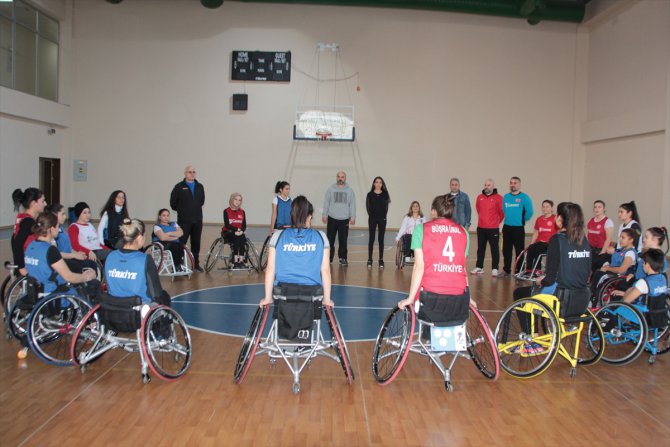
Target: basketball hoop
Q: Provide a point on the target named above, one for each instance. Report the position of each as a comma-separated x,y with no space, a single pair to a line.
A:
323,134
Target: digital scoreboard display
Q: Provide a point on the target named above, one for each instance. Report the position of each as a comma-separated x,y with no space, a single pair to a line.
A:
261,66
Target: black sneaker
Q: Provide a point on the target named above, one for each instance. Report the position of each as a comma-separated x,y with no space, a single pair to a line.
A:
381,263
343,262
198,269
369,263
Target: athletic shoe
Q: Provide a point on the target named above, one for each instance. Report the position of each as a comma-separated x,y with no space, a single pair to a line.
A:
476,271
343,262
381,263
369,263
408,259
494,272
503,274
532,348
198,269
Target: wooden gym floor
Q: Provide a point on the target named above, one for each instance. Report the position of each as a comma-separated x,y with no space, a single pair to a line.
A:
42,405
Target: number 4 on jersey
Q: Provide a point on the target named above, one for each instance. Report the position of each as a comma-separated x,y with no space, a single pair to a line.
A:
448,250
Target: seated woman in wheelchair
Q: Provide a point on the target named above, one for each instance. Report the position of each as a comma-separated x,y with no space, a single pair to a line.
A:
45,263
84,236
654,284
299,255
77,261
440,250
413,217
653,238
168,234
623,261
567,270
130,272
545,228
234,226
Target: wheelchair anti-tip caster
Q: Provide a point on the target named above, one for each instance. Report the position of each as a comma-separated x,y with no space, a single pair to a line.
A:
448,386
652,359
83,368
296,388
145,378
573,372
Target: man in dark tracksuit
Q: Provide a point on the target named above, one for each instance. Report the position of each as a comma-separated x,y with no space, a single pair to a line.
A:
187,199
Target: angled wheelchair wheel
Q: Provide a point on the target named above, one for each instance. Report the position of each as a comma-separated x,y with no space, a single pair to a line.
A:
625,330
590,339
250,343
526,350
663,334
604,291
52,324
339,344
213,254
87,338
399,255
188,261
3,290
17,321
263,255
157,253
253,256
15,290
393,344
481,345
166,343
519,269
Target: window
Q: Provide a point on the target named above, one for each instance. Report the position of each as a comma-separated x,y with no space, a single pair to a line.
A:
28,50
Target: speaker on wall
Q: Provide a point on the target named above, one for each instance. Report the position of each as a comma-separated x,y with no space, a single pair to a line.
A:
240,101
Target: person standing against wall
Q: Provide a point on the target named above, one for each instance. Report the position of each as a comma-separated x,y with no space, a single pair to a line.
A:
377,205
463,211
490,212
518,210
187,199
339,211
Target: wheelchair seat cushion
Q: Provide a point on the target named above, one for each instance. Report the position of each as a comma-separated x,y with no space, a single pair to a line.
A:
574,302
118,313
296,308
444,310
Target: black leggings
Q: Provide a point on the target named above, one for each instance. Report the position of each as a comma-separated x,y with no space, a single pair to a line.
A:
177,250
380,224
237,243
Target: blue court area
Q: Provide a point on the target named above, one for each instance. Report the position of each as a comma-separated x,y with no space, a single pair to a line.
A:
228,310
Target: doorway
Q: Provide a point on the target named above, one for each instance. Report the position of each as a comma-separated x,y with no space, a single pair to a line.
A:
50,179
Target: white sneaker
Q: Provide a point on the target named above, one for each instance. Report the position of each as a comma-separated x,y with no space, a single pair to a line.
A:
494,272
477,271
408,259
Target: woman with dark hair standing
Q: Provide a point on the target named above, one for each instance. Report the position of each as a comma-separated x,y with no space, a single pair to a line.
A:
377,205
299,255
111,217
281,207
600,229
32,202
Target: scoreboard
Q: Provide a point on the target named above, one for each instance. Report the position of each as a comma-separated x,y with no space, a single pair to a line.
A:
261,66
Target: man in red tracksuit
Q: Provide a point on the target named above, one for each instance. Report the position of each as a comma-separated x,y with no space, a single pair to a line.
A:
491,214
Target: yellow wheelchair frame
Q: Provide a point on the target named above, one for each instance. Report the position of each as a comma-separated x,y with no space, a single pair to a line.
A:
528,353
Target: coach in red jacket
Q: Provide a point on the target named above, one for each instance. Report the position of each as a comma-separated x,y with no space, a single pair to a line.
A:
490,210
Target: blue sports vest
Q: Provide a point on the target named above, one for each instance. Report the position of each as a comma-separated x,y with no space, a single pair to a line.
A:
657,285
38,266
125,273
618,257
169,228
63,241
283,213
299,253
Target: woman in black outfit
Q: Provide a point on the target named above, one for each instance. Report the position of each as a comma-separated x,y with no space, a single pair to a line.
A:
377,205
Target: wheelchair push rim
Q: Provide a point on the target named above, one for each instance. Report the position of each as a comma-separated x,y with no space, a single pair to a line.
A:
481,345
87,331
625,330
263,256
340,345
512,339
253,256
15,290
166,343
213,254
591,340
156,252
250,343
51,327
393,344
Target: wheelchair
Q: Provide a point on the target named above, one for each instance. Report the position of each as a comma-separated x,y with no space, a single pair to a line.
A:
552,326
632,328
157,332
222,250
450,326
263,256
165,264
402,255
13,288
608,285
523,271
295,335
45,323
11,277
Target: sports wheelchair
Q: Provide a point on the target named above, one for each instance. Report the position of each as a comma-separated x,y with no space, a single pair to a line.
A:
164,261
533,331
401,254
221,250
632,328
523,271
46,323
295,335
608,284
447,325
160,336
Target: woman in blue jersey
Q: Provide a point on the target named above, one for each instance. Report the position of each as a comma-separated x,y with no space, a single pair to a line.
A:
168,234
299,255
281,207
129,271
77,261
45,263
